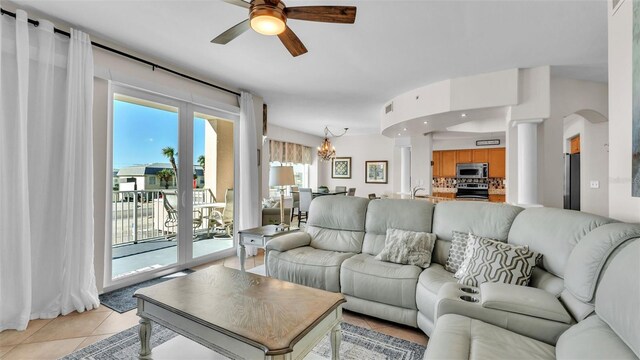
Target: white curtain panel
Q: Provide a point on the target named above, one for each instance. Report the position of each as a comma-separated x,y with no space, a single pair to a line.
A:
46,177
247,194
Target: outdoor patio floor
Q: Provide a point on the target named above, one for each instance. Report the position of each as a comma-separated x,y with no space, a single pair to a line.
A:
132,258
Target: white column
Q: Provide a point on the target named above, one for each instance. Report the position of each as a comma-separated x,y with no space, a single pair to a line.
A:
429,158
405,170
528,162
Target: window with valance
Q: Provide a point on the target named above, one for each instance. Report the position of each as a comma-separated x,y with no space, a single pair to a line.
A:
286,152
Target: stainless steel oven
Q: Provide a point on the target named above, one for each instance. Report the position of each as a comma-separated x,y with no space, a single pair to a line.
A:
476,191
472,171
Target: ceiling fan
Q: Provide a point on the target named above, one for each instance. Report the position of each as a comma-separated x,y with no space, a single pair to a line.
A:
269,17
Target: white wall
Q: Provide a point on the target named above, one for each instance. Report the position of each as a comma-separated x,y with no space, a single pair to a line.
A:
567,97
594,162
468,143
362,148
622,205
278,133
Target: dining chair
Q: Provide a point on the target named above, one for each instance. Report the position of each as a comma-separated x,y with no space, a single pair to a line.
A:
305,202
372,196
351,192
295,194
341,189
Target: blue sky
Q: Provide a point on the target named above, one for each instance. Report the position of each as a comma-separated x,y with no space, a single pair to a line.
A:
140,133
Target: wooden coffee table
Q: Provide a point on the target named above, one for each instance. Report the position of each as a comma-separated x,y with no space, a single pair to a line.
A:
242,315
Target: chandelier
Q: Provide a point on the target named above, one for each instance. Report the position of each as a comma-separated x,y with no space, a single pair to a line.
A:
326,151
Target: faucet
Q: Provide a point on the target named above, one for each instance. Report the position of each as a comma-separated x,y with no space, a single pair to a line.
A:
415,190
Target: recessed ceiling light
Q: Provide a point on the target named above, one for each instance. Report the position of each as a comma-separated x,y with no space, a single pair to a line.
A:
464,115
399,134
405,129
426,122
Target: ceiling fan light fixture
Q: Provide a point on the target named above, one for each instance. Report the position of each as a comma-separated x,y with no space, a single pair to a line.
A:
268,20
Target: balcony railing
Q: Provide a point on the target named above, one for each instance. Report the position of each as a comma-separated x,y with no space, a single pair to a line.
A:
139,215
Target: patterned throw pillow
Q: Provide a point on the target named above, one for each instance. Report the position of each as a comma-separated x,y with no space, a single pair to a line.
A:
408,248
493,261
456,251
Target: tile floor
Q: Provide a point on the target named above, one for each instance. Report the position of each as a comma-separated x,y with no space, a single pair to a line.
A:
55,338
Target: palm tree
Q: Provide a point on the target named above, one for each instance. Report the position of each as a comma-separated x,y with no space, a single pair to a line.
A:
201,161
165,175
170,153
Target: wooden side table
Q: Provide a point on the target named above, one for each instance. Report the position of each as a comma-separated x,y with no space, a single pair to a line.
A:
259,237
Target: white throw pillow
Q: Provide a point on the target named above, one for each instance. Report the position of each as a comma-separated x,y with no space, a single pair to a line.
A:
408,247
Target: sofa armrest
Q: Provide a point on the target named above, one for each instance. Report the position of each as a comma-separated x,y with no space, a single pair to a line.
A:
289,241
453,300
523,300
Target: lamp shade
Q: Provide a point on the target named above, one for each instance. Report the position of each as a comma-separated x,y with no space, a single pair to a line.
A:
281,176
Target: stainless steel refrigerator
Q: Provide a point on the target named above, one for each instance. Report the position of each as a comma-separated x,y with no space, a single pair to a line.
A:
572,181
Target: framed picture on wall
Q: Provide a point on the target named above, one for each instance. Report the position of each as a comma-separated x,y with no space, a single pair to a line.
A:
341,168
376,171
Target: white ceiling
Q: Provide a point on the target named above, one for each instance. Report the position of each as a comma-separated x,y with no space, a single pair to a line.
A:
352,70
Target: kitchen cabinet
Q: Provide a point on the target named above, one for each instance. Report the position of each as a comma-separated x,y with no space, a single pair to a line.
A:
449,162
575,145
447,195
464,156
437,163
497,163
497,198
480,156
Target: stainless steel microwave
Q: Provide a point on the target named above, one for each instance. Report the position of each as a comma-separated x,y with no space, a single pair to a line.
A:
472,171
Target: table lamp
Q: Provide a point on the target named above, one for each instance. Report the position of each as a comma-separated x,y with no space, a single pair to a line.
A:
281,176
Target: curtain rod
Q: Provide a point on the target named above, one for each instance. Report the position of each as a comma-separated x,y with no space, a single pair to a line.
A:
129,56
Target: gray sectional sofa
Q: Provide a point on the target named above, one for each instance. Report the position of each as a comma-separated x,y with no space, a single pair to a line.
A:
343,234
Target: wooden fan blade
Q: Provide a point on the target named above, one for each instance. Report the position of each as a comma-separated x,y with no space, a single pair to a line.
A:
240,3
330,14
292,42
232,33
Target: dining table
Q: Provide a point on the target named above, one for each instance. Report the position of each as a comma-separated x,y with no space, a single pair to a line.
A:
324,193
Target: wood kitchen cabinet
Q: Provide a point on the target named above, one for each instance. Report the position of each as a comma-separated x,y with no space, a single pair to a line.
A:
497,163
465,156
448,164
437,163
497,198
480,156
575,145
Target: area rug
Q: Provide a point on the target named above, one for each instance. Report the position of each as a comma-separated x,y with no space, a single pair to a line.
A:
122,300
357,344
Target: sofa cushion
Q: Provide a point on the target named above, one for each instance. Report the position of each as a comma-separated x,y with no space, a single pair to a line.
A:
592,339
407,248
479,218
618,295
412,215
492,261
553,233
590,255
336,223
308,266
364,277
459,337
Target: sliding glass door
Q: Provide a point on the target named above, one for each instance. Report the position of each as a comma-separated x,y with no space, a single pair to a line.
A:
172,192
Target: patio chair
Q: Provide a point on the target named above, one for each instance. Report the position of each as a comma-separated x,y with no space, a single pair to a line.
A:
170,201
223,221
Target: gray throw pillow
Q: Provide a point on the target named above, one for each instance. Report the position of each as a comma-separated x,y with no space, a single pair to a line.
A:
488,260
407,247
456,251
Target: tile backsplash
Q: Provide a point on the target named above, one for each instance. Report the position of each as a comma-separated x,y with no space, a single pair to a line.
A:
450,183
